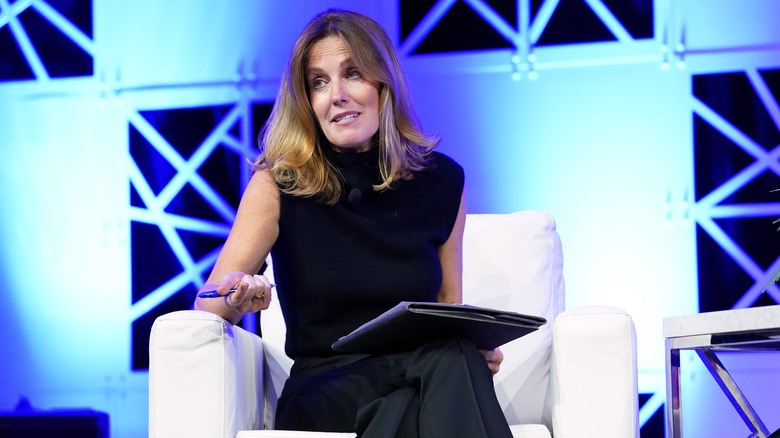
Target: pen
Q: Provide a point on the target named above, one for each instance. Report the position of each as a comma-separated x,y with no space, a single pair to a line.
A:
215,294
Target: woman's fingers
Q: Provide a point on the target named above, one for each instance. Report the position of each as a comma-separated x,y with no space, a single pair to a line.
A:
264,291
253,293
244,286
494,359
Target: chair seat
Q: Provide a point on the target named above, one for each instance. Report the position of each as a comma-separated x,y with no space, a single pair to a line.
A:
291,434
529,431
518,431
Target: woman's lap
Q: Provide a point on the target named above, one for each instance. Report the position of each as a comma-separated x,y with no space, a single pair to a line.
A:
441,387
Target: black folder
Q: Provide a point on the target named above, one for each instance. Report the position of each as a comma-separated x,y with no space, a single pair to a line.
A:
410,324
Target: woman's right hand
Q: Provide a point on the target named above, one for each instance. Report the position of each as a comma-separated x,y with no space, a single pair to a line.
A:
253,292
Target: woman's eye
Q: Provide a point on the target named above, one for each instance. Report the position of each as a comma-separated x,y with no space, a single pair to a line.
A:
353,74
317,83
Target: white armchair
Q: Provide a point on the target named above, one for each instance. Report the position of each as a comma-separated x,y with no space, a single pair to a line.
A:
575,377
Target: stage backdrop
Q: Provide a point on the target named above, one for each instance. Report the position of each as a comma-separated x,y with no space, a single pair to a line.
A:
649,129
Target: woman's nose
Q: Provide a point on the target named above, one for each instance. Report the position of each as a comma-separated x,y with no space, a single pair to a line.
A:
338,94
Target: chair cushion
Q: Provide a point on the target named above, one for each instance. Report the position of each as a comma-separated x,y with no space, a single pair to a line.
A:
518,431
529,431
291,434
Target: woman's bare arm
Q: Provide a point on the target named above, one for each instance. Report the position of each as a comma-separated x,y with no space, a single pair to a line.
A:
253,234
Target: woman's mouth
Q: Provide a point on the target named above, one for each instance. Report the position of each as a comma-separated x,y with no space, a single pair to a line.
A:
344,117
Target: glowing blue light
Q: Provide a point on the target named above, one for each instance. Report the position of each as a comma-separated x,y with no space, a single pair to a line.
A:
610,159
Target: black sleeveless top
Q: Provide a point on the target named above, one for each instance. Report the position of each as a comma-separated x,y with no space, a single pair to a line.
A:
336,267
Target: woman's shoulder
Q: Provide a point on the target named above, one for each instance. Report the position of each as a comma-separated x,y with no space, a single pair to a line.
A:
262,179
261,186
442,172
445,164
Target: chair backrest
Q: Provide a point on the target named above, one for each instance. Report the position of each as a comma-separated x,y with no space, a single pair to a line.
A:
513,262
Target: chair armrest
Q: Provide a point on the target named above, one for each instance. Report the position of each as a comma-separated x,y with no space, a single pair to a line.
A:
594,374
205,376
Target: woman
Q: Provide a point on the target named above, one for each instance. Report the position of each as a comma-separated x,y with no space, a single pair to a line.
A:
358,214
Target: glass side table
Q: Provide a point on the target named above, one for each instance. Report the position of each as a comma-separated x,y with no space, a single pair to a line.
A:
750,329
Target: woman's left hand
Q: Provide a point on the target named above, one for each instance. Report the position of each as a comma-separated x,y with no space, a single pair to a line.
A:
493,358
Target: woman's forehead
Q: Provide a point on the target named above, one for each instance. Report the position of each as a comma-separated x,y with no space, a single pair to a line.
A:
331,47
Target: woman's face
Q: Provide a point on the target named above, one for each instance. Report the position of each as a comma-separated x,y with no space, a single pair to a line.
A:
344,100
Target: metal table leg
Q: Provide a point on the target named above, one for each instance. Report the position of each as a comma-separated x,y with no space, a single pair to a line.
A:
673,413
732,391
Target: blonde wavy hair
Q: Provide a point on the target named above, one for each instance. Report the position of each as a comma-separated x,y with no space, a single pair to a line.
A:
292,144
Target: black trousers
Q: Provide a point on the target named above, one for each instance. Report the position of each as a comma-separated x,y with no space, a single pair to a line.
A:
442,389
